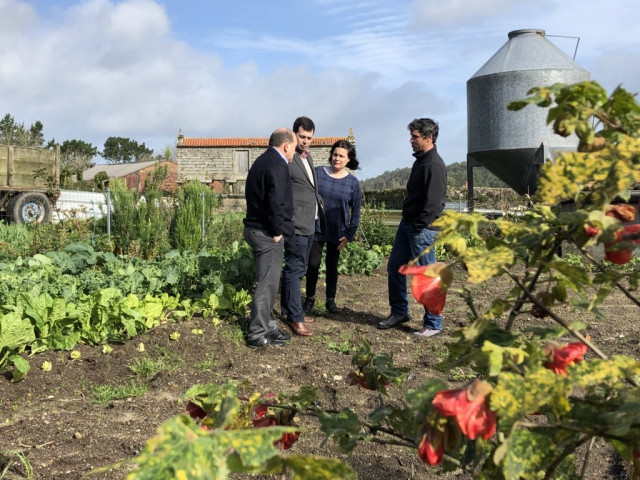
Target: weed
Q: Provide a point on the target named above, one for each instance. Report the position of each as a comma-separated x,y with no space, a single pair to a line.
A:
6,463
459,375
233,333
206,365
148,367
103,394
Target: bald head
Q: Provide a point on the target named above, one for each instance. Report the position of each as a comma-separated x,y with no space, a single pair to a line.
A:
284,140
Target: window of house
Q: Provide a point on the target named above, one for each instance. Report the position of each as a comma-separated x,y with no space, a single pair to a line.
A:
242,161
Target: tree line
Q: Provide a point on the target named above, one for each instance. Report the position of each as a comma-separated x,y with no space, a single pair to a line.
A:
76,156
456,178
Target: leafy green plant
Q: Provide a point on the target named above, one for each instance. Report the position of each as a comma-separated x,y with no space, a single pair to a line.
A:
227,435
356,259
343,348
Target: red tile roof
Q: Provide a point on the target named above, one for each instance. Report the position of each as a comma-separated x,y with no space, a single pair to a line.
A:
249,142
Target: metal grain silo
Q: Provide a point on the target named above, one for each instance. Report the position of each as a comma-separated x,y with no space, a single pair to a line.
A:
513,145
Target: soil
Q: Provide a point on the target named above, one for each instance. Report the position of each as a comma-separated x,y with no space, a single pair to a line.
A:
52,418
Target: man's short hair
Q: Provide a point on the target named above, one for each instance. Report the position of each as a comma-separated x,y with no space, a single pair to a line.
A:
426,127
305,122
280,137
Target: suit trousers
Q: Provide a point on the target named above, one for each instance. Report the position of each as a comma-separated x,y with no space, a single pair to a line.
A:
296,255
267,256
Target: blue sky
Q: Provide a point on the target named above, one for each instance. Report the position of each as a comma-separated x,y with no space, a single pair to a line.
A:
144,69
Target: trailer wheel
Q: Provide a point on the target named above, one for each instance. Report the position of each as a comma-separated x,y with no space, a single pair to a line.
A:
29,207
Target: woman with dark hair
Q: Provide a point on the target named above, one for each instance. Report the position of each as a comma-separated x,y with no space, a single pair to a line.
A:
340,192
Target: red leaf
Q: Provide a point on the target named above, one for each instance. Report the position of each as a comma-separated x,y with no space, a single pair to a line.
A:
561,357
470,409
431,448
288,439
621,211
429,284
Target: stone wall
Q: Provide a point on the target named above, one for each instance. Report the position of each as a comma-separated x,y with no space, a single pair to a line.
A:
216,166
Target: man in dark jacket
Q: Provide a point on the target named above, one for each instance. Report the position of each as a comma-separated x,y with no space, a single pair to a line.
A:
423,204
268,222
306,208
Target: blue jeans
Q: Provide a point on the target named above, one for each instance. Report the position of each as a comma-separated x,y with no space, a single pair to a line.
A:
407,245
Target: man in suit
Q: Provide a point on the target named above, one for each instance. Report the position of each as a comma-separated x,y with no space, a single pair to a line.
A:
269,221
307,206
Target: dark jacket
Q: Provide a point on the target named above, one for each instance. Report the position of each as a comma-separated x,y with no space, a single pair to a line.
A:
305,196
426,190
268,195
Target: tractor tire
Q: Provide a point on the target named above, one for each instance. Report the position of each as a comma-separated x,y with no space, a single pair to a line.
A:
29,208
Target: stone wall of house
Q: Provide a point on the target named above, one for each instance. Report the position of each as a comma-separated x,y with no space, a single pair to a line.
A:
209,164
213,164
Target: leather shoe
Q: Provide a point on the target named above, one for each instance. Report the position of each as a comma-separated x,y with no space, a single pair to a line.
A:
299,328
308,320
265,341
278,334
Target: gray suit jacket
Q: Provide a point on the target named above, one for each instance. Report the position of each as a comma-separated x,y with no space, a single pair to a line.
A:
305,196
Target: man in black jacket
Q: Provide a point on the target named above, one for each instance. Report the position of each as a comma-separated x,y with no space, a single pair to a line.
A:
268,221
423,204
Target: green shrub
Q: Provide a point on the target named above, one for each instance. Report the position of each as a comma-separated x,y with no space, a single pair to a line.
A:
373,228
196,205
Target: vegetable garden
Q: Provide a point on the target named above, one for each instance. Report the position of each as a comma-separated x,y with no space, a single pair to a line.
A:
535,376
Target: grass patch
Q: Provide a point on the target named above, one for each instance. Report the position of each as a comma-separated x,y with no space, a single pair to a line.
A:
207,365
149,367
233,333
103,394
7,460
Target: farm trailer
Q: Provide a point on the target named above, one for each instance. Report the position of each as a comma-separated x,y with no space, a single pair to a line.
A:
28,183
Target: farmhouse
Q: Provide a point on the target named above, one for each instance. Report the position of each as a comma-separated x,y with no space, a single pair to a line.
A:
223,163
135,174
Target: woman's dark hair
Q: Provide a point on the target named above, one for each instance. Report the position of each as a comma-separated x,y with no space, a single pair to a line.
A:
353,163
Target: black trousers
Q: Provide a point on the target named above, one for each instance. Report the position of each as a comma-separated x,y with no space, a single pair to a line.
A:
331,265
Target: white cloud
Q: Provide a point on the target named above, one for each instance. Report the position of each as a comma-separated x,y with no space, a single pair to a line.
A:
438,13
105,68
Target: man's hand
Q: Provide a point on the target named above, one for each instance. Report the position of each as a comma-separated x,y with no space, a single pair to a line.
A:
343,242
277,239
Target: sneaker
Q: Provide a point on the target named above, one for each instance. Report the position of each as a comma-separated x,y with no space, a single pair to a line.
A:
331,306
307,306
393,320
427,332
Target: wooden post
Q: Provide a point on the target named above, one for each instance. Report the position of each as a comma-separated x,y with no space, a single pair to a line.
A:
10,149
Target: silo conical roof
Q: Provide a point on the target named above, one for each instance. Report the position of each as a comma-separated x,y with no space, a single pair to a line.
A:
527,49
